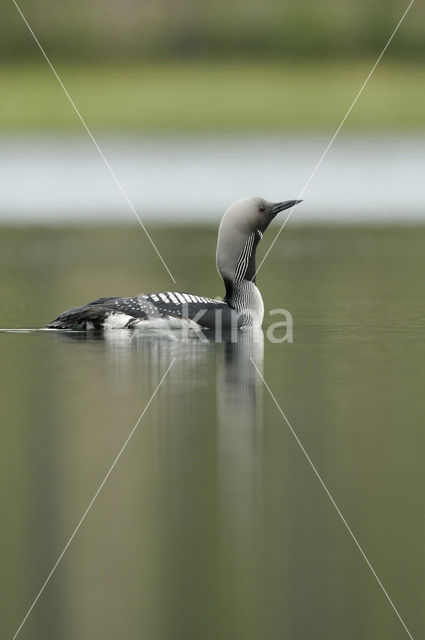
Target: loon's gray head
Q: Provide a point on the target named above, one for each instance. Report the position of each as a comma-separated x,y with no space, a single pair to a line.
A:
241,229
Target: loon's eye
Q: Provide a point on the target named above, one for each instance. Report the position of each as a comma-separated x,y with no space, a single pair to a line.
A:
262,208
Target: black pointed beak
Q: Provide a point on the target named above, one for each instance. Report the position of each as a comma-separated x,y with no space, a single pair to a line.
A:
281,206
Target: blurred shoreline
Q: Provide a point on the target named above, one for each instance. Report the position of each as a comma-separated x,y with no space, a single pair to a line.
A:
196,96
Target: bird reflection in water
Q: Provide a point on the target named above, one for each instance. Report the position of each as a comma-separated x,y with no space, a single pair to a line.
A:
205,436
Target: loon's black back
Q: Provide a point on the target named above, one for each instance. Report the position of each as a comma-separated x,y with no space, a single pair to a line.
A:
127,313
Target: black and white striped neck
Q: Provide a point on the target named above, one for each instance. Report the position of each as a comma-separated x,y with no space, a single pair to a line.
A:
245,297
245,266
242,294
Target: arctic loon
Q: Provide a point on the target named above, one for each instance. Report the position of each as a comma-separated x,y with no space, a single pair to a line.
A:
240,231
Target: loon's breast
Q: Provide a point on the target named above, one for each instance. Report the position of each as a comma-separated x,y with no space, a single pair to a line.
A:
171,308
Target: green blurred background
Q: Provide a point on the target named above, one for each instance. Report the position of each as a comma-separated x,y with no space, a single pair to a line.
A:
270,65
149,29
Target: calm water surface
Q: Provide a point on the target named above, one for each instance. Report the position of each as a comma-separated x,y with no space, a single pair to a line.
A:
212,524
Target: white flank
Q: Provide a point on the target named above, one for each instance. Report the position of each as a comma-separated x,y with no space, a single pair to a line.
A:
167,323
117,321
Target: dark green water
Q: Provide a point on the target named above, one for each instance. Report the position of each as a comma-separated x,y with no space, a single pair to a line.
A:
213,525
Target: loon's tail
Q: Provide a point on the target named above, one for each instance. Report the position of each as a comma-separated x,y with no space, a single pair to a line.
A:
86,317
99,314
